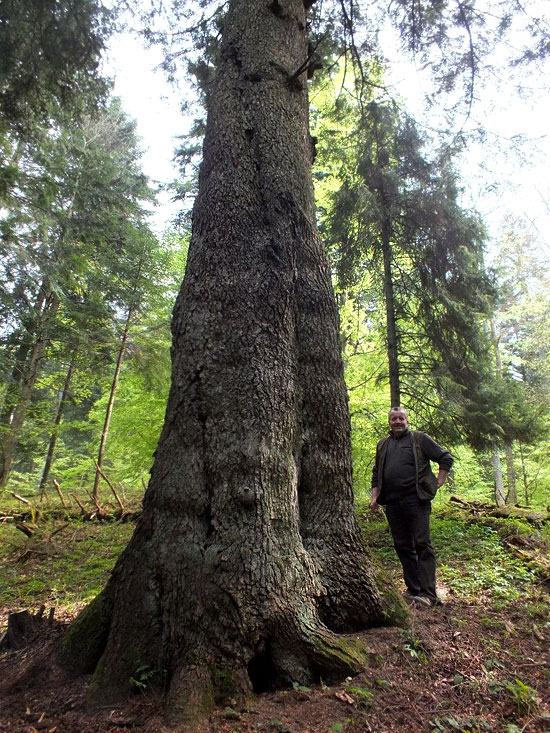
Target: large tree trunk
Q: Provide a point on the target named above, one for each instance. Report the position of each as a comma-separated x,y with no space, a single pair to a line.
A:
247,556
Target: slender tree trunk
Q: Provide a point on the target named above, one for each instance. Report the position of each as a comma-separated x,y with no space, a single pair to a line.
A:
32,370
57,422
391,321
13,386
111,401
526,497
511,496
13,389
499,481
247,556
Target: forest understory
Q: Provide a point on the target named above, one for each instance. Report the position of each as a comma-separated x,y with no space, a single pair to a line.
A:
479,662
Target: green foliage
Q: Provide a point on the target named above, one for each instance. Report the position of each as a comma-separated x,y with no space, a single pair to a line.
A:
142,677
50,56
484,565
363,698
411,260
463,725
523,696
77,238
66,570
414,648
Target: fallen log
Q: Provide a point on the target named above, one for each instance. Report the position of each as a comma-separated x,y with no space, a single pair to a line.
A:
532,558
485,508
22,527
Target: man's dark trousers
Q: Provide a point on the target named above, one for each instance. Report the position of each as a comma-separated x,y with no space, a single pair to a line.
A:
409,520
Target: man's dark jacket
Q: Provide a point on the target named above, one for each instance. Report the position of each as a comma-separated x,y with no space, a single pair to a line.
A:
424,450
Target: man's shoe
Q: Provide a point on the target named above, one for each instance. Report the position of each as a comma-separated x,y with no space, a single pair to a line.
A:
424,601
409,597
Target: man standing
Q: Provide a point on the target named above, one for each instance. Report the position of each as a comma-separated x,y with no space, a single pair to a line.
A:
403,481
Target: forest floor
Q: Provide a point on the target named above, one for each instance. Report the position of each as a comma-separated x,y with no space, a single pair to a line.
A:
479,662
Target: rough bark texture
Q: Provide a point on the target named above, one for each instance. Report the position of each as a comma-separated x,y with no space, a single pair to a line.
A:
247,557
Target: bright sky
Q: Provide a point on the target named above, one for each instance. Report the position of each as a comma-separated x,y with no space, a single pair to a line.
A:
496,184
153,103
499,182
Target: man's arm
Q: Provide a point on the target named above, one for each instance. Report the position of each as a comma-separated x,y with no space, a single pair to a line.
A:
374,484
441,477
439,455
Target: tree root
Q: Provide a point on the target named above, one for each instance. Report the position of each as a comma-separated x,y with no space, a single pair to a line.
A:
85,639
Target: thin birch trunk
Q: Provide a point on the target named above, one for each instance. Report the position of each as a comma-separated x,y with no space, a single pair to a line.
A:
512,495
500,495
499,481
111,402
526,497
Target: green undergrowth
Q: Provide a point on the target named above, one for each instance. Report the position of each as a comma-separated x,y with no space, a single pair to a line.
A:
66,562
473,560
63,564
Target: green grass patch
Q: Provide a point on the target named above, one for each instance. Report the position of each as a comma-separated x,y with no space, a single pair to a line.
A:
472,560
64,569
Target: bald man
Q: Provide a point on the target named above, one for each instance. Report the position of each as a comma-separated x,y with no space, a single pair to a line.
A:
403,481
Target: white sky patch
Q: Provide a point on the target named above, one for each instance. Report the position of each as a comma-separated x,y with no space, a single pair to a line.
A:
509,171
496,183
154,104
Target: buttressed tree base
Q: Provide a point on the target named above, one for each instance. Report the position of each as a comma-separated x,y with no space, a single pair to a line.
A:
247,560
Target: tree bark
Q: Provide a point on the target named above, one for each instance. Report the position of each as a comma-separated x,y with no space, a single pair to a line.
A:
247,557
526,497
499,481
57,422
111,401
512,495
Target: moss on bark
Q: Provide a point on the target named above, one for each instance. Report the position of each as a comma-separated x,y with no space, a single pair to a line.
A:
85,639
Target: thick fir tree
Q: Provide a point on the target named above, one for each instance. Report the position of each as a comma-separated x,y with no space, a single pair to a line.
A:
247,557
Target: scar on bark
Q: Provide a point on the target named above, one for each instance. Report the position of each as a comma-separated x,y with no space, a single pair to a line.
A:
277,9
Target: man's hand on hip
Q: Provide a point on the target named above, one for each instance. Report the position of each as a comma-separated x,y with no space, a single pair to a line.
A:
441,477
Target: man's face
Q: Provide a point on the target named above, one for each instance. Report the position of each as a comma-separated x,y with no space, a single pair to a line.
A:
398,422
